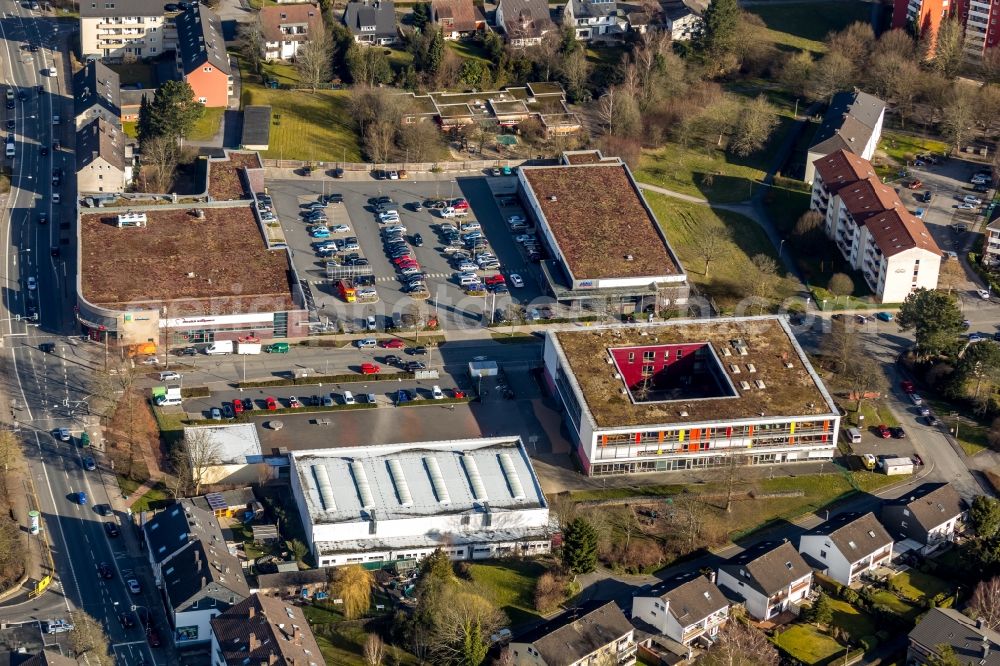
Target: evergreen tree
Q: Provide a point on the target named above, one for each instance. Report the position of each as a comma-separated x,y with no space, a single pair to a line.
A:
820,612
722,21
143,126
935,318
579,549
435,52
174,110
421,15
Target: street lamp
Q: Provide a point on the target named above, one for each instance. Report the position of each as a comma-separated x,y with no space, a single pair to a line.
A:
781,246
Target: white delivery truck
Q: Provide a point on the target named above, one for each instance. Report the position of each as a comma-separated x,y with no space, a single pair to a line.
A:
220,347
248,347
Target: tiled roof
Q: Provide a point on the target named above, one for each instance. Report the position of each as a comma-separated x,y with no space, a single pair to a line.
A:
265,630
973,645
932,504
199,39
526,18
868,197
462,12
381,14
769,567
275,16
578,632
204,576
855,535
693,599
841,168
171,529
97,85
100,138
898,230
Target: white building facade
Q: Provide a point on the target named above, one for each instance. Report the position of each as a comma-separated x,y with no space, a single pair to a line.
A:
122,31
849,548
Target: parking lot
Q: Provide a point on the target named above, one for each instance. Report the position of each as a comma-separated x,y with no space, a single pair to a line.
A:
453,306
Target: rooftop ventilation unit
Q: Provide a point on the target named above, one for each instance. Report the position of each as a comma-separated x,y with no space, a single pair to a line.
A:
398,480
735,368
745,386
759,384
324,487
726,352
751,367
507,465
475,480
361,483
437,481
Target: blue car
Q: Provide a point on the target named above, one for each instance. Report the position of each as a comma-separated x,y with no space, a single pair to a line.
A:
884,316
402,396
81,498
320,233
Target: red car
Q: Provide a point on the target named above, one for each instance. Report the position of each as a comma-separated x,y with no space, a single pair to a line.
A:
410,264
237,406
915,185
907,387
457,393
460,204
883,431
153,637
370,368
402,260
495,279
395,343
270,403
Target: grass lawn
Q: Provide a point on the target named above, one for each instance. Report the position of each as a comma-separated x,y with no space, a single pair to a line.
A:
130,129
510,584
283,72
874,413
467,49
208,125
153,496
685,223
971,434
804,25
903,147
919,586
807,644
785,207
604,55
307,126
856,622
136,72
898,606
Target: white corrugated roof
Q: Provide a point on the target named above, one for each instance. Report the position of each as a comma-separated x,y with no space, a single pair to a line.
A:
233,443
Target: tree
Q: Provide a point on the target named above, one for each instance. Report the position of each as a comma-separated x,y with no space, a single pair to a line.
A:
421,141
203,452
978,362
575,69
864,375
960,115
173,111
855,42
985,603
841,284
807,235
374,650
934,317
88,638
617,112
579,548
841,345
761,280
984,516
353,584
421,15
367,66
739,643
713,244
833,72
160,155
314,59
753,127
948,55
943,655
462,623
989,65
10,454
252,42
298,549
820,613
797,71
721,24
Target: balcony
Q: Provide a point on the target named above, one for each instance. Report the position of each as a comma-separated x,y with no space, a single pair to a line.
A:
626,654
692,634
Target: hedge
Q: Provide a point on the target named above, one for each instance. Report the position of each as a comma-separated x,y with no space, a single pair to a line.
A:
327,379
432,401
195,392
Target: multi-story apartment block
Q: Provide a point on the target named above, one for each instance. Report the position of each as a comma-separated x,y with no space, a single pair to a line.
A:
853,122
117,30
922,16
689,395
872,229
991,244
201,56
979,17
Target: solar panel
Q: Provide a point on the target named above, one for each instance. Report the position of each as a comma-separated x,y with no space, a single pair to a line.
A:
216,502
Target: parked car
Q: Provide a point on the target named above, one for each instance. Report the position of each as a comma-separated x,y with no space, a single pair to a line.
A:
897,432
294,402
915,184
516,280
270,403
111,530
907,386
370,369
883,431
215,414
970,199
917,400
884,316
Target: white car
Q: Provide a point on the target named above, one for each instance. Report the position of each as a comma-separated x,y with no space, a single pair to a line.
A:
526,238
394,228
969,199
169,376
516,280
393,175
983,294
470,226
391,216
515,219
133,586
150,360
32,284
340,228
437,393
55,197
966,206
467,266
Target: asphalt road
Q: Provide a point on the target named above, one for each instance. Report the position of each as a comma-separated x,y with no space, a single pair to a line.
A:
47,391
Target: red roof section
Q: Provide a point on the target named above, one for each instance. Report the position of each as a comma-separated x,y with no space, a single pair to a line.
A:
868,197
840,168
898,230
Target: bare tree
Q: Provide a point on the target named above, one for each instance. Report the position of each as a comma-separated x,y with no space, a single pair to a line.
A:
959,119
754,125
761,281
202,452
841,284
422,141
617,111
160,154
374,650
714,244
575,70
985,602
10,454
948,55
252,42
314,59
88,639
833,72
841,345
739,643
989,66
864,375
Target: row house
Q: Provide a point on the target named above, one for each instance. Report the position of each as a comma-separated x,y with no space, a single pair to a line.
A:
768,579
686,609
847,546
931,515
595,633
872,229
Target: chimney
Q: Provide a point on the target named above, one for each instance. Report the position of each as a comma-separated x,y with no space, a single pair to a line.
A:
254,643
204,582
986,648
250,614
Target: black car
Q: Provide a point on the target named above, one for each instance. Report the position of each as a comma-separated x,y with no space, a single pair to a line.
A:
338,173
54,252
360,261
392,359
228,411
248,405
10,123
897,432
170,7
34,49
981,188
111,529
414,287
105,571
380,200
188,351
931,420
413,366
125,619
499,317
418,240
43,218
39,89
102,509
417,351
10,104
334,198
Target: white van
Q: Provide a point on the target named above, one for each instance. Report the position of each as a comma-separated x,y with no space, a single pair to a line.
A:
10,149
221,347
164,401
853,435
466,280
366,343
348,398
370,324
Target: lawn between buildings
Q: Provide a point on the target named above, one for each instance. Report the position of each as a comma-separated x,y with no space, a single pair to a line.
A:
804,25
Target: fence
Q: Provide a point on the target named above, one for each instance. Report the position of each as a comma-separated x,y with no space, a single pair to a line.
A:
466,165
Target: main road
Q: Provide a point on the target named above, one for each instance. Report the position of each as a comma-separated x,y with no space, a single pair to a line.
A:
45,390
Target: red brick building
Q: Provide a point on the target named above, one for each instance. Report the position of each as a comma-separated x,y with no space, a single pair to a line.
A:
201,56
924,15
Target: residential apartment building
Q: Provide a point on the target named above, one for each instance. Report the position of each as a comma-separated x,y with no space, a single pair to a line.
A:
979,17
524,22
372,21
689,394
593,19
853,122
287,27
769,578
475,499
930,515
263,630
972,642
171,530
202,60
683,609
101,165
922,16
457,18
596,633
117,30
991,243
872,229
847,546
97,94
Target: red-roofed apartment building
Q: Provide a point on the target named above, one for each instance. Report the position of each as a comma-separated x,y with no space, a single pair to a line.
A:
872,228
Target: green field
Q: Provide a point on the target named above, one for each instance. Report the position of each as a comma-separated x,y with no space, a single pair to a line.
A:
807,644
208,125
685,223
855,622
919,586
804,25
510,584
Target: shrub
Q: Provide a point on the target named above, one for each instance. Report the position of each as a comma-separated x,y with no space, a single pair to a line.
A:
550,591
849,595
463,570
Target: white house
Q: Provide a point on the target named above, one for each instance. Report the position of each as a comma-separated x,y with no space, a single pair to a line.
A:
852,123
287,27
847,546
681,21
475,499
770,578
930,515
596,633
592,19
872,229
683,609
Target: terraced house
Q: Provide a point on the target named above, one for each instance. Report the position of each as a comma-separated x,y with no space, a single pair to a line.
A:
687,610
769,578
689,394
872,228
595,633
847,546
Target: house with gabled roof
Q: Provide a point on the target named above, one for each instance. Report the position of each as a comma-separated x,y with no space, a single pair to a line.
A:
287,27
847,546
101,165
524,22
372,21
853,122
97,94
457,18
171,530
683,609
972,642
768,579
594,633
201,58
930,515
264,630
